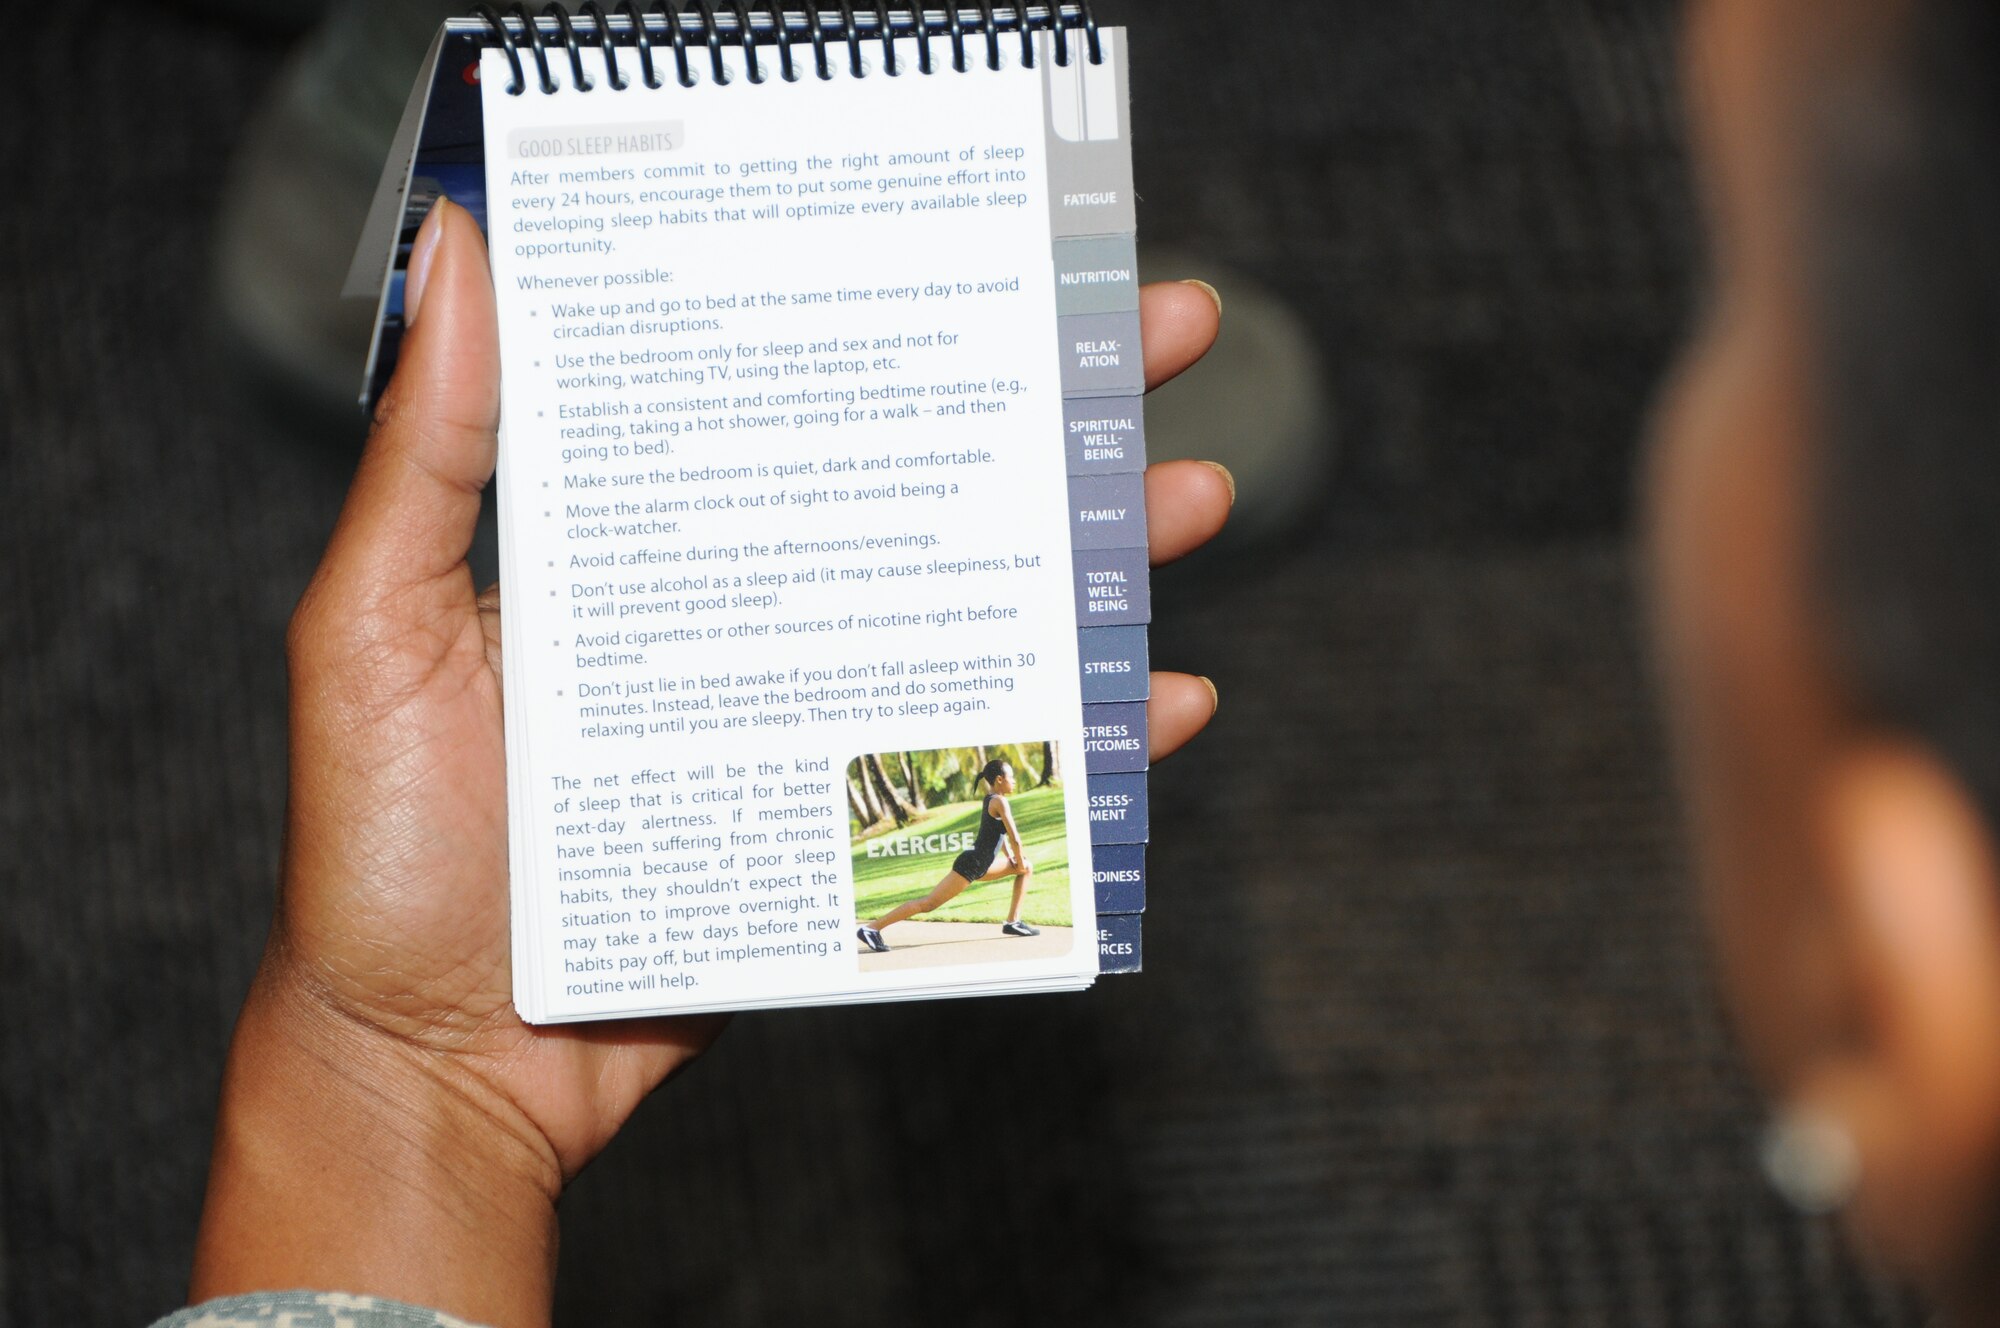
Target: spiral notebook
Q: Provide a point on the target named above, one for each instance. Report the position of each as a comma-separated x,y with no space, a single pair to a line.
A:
821,510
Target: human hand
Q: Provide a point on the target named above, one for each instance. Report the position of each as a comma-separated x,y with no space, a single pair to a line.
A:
389,1124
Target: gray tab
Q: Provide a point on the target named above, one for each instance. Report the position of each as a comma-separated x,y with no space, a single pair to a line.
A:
1114,664
1100,355
1104,435
1089,136
1107,511
1112,587
1099,275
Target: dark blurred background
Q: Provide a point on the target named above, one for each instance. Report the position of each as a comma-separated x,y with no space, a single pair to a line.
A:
1426,1034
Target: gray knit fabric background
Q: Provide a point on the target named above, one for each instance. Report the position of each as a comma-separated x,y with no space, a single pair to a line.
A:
1426,1035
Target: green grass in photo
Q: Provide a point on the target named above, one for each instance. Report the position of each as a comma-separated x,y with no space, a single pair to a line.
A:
882,883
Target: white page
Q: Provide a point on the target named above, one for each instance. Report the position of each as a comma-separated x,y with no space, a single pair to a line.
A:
691,490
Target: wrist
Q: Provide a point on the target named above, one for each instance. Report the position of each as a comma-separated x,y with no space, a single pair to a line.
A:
348,1159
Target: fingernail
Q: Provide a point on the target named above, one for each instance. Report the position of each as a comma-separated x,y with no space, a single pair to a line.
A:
1214,697
1213,293
1227,478
421,254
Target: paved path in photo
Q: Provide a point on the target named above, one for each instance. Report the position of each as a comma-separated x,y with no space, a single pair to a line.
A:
933,944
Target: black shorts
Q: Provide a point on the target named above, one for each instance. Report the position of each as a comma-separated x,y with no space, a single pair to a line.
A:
972,866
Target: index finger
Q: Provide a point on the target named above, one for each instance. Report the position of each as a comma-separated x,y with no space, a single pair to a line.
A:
1178,321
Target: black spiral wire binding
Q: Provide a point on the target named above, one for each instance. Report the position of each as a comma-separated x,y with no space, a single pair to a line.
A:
888,37
541,52
920,23
673,23
818,29
642,41
509,38
505,41
595,13
783,35
957,30
711,34
853,31
748,37
568,31
991,27
1090,38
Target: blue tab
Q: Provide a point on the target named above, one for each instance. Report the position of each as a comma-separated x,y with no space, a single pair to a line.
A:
1114,738
1100,355
1104,435
1107,511
1118,873
1114,663
1113,587
1118,809
1120,947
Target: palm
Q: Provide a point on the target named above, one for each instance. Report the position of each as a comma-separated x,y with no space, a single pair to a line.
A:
416,937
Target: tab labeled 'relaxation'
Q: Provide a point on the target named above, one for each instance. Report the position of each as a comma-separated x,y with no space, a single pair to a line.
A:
551,144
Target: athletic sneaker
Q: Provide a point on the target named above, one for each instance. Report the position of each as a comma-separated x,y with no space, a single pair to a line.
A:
1020,929
872,939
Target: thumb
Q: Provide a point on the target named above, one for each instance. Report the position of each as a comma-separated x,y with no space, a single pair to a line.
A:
414,504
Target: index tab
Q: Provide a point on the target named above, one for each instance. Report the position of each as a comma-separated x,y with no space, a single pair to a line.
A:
1089,136
1120,878
1099,275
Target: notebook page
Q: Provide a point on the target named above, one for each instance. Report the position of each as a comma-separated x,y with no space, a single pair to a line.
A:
783,492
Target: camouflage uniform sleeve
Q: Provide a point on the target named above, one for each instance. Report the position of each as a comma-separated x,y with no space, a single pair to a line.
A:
307,1309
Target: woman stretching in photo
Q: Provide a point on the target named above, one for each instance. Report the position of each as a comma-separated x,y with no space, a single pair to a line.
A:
975,864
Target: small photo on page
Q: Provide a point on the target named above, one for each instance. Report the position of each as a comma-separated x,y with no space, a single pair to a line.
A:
961,855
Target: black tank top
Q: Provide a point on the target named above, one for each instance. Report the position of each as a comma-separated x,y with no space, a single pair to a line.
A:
991,827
